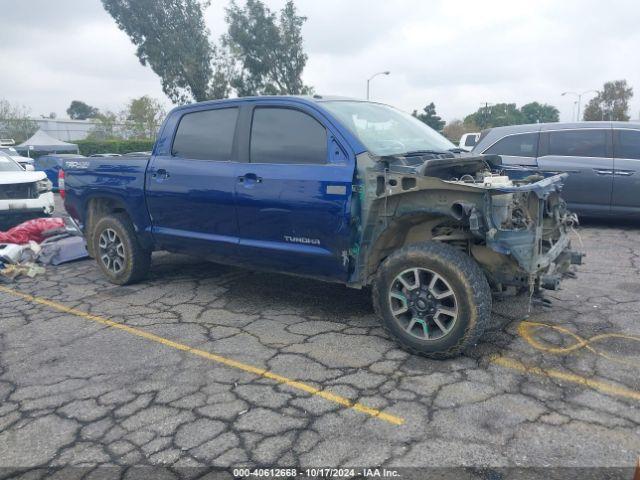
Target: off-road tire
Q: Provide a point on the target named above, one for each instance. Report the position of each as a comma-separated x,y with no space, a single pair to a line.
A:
137,259
467,281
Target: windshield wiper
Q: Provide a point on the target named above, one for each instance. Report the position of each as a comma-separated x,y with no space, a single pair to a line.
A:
458,150
415,153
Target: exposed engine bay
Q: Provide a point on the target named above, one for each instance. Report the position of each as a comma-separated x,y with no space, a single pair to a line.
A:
511,220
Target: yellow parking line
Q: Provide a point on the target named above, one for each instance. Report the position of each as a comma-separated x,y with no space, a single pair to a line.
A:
527,328
603,387
210,356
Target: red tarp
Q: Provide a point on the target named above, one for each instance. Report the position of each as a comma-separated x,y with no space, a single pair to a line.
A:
30,230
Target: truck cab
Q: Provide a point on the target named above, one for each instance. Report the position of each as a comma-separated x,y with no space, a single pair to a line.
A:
336,189
266,182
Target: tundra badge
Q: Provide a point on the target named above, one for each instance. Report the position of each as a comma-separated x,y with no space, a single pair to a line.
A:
305,240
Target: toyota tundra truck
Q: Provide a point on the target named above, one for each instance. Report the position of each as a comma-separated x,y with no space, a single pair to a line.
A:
335,189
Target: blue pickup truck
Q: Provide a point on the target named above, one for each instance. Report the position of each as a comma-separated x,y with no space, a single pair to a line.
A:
335,189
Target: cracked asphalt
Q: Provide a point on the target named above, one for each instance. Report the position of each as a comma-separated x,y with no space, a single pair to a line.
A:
558,387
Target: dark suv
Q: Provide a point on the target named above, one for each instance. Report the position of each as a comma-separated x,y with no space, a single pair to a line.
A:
601,158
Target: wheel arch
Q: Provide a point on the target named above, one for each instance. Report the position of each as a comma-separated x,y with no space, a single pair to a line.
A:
412,228
99,206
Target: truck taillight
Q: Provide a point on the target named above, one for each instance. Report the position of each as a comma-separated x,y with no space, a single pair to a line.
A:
61,183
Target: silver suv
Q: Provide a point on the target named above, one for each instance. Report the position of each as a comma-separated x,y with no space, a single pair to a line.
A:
601,158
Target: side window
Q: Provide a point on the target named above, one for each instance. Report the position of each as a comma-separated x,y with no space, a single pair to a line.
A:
626,144
519,145
578,143
282,135
206,135
470,141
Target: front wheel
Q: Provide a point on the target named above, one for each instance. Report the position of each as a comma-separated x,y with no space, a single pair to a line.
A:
118,251
433,299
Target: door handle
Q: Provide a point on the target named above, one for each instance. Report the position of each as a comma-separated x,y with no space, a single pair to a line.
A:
161,173
251,177
603,172
624,173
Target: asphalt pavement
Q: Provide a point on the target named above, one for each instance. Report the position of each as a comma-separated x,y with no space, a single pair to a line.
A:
207,365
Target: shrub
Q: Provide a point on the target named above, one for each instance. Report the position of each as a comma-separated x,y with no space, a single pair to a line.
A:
89,147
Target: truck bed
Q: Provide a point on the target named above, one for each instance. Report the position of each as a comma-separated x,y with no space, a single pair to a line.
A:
112,177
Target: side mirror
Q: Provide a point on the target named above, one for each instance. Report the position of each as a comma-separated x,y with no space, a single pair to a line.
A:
29,168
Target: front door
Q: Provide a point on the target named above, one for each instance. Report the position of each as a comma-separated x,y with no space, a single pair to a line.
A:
293,195
626,171
586,155
190,192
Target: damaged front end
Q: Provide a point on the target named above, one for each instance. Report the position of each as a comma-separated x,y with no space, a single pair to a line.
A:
512,221
529,223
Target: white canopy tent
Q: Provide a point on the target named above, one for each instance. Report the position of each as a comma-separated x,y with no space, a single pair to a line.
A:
41,141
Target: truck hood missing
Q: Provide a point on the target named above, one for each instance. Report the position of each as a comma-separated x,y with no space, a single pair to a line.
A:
514,212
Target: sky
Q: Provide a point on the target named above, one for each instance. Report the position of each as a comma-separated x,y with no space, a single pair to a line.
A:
457,54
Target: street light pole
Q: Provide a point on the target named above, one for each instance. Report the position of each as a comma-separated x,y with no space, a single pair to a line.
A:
386,72
579,96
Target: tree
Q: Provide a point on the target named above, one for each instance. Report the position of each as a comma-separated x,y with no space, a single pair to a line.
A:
261,53
429,117
497,115
105,128
172,39
15,122
220,85
81,111
535,112
454,129
143,117
266,52
502,114
611,103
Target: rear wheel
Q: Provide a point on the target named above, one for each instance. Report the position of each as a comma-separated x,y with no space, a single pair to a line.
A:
433,299
118,251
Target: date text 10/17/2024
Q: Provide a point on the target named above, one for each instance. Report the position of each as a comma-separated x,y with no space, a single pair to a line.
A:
316,472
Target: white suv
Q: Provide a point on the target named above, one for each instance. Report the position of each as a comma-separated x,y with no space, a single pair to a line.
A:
7,146
23,194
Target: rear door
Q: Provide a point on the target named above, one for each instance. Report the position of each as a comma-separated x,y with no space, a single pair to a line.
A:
516,149
626,171
190,188
587,156
293,194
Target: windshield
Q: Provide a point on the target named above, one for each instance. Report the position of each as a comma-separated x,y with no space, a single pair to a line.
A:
385,130
9,151
7,164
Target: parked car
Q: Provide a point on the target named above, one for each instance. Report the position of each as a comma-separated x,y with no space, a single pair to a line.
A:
23,194
106,155
51,165
7,146
468,141
340,190
601,158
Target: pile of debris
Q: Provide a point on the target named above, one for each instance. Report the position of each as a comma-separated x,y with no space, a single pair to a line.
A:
25,248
